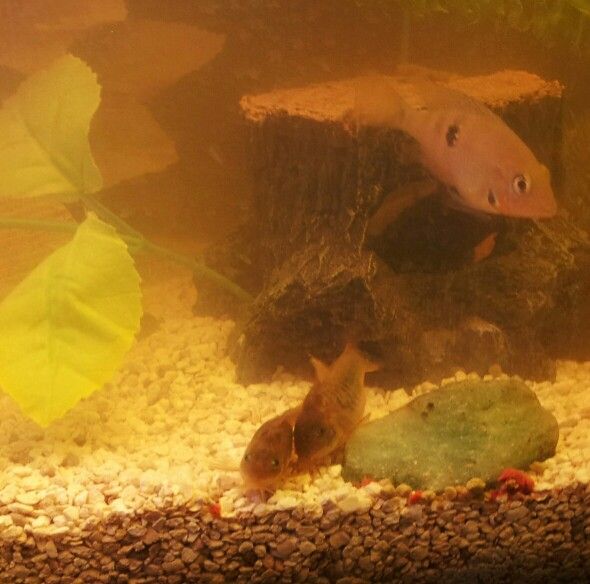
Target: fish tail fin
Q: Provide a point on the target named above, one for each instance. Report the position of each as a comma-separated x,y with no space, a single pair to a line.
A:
377,102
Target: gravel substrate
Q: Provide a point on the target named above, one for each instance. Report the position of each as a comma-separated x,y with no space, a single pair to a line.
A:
122,489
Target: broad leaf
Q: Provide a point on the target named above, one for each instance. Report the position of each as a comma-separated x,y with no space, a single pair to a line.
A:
67,326
143,57
44,128
127,141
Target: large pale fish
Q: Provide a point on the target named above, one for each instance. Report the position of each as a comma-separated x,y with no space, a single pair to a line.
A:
333,408
463,144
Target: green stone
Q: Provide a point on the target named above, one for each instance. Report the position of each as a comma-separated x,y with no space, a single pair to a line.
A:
450,435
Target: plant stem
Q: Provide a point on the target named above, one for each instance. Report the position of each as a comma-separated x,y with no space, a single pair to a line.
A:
38,224
199,268
93,204
137,243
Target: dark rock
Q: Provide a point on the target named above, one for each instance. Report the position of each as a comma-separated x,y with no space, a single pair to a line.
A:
450,435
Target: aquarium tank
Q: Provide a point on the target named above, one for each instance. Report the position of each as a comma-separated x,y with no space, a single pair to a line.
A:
294,291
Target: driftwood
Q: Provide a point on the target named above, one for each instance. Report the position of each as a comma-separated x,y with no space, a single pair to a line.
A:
414,294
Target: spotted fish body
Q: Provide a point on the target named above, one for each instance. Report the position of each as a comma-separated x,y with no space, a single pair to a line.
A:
270,456
333,408
463,144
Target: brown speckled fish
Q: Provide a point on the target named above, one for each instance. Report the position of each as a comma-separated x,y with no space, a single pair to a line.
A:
333,408
269,456
463,144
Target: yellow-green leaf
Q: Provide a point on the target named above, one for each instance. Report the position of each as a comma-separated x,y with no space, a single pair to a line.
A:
44,149
67,326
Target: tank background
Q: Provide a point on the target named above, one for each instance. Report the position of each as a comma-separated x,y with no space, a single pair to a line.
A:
280,43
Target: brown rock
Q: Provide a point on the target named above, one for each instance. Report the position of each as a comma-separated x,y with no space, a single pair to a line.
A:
151,536
366,564
285,548
173,567
307,531
245,547
137,531
188,555
210,566
307,548
339,539
50,549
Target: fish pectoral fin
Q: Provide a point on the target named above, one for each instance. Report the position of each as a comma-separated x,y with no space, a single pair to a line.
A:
396,202
485,247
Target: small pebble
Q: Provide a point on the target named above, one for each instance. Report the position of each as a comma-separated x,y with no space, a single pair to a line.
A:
476,486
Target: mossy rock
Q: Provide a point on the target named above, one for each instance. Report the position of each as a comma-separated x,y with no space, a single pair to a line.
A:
446,437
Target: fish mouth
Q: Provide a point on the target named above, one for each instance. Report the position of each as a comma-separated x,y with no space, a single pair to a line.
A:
551,209
546,210
539,208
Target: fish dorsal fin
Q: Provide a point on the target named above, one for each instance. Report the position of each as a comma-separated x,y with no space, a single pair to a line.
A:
352,354
377,101
432,96
322,371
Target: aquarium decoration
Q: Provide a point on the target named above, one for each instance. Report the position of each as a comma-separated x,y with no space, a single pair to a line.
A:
421,292
68,325
44,138
449,436
549,21
211,452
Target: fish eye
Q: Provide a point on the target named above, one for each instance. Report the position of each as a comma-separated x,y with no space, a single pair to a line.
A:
520,184
274,463
247,458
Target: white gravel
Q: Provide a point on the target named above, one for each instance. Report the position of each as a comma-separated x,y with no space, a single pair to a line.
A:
150,437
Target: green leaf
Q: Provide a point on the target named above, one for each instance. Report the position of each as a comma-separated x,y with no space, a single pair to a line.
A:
67,326
44,147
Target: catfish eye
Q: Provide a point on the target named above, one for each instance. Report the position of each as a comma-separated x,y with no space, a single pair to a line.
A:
274,463
322,431
246,458
520,184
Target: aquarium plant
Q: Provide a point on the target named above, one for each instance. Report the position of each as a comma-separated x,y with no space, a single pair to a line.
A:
554,22
68,325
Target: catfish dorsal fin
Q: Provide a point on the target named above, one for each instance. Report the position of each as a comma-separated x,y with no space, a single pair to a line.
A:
322,371
352,354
